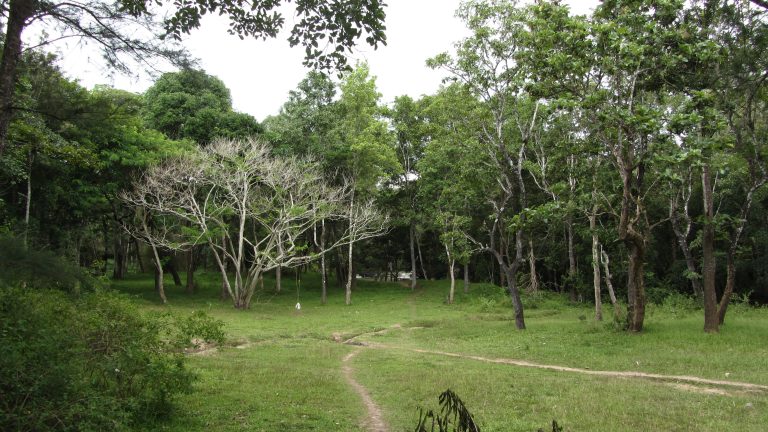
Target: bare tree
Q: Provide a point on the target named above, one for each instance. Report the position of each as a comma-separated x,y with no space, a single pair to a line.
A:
260,204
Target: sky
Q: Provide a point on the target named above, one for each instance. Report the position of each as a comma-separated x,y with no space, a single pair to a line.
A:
260,73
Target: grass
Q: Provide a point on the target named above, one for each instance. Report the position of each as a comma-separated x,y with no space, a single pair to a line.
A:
288,375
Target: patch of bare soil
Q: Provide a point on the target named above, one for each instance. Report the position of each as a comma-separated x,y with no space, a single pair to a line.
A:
375,420
701,390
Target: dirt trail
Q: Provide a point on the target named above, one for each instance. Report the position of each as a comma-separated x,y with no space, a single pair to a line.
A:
523,363
614,374
375,420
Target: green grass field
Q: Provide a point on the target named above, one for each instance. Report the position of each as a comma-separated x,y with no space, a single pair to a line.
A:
282,369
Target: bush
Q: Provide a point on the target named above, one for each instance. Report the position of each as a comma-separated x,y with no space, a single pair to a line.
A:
20,265
88,363
679,305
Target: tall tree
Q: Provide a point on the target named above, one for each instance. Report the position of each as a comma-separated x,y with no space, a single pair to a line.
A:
131,29
263,205
363,146
486,63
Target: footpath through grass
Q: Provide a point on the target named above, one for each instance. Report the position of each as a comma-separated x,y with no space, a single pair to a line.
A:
282,368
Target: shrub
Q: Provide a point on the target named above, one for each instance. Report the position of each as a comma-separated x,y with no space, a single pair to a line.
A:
20,265
679,304
88,363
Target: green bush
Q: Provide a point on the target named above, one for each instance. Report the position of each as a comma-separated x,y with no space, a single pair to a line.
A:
27,267
89,363
679,304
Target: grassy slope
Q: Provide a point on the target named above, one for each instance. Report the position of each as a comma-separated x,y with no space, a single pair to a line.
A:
289,379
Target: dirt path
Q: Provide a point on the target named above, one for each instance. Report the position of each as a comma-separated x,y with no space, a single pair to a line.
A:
614,374
523,363
375,420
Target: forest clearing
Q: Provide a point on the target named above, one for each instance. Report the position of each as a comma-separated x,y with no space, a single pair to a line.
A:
511,215
283,369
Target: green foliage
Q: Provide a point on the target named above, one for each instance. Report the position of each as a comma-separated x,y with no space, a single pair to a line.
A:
679,305
21,266
453,413
194,105
199,327
89,363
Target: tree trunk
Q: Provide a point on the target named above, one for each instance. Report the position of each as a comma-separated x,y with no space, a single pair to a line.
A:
636,287
121,255
172,270
452,273
682,240
571,260
159,287
608,283
466,277
421,259
28,198
19,11
711,322
412,235
139,260
730,282
596,265
341,269
510,271
348,290
191,271
323,270
223,268
534,282
279,278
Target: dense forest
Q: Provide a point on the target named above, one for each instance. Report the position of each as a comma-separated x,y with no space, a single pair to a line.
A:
620,157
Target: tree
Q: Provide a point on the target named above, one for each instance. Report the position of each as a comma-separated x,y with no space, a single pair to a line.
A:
194,105
363,145
486,63
129,29
633,57
76,149
261,204
408,121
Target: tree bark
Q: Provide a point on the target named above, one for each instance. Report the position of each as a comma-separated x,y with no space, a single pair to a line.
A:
323,270
421,259
171,268
19,11
711,322
510,271
121,255
534,282
682,240
466,277
452,273
139,260
572,294
636,287
412,235
191,271
279,278
348,288
350,276
159,287
596,265
730,283
28,198
608,283
223,268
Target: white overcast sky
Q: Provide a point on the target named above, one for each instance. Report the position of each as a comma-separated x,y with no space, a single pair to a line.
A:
259,73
